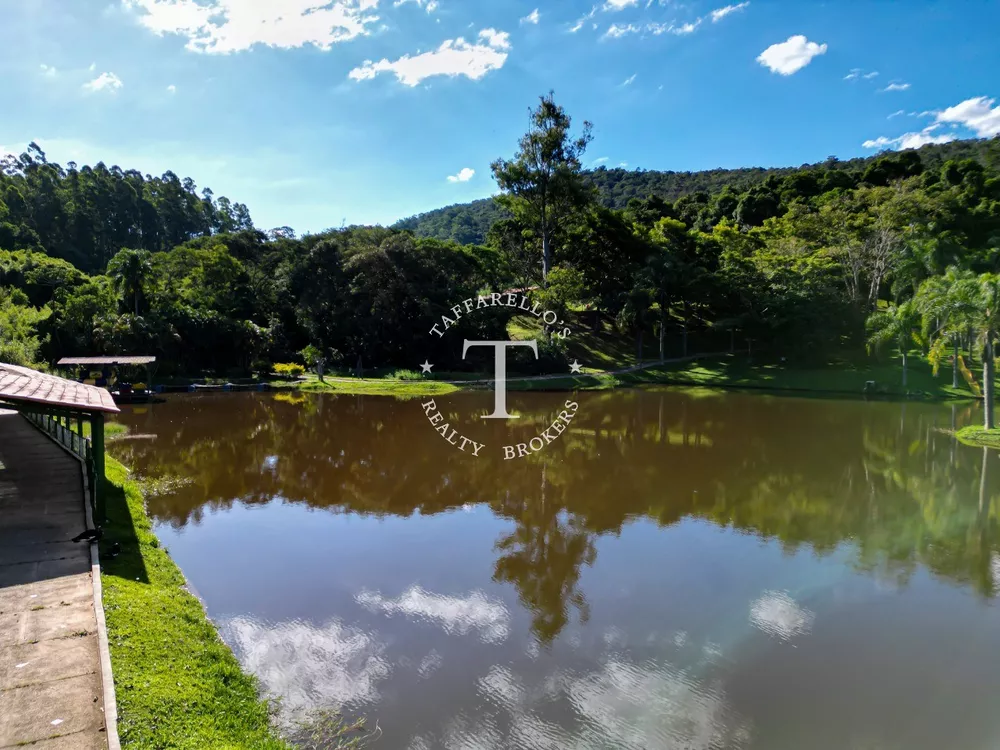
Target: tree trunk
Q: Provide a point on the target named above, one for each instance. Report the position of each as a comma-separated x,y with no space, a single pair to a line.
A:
902,349
638,345
954,362
732,341
988,367
663,333
546,255
684,346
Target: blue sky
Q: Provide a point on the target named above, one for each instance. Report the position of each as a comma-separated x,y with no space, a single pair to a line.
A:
319,113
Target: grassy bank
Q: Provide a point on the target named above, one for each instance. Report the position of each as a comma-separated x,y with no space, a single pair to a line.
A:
178,685
973,435
837,376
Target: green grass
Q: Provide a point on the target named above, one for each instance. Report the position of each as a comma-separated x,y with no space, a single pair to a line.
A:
375,387
974,435
111,430
177,684
834,376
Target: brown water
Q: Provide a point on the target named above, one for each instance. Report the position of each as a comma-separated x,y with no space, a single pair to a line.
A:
679,569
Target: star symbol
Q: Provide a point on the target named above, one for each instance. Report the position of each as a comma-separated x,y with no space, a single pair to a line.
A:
426,367
575,367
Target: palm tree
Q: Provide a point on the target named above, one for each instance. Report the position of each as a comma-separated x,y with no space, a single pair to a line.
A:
975,304
899,324
129,271
986,319
946,302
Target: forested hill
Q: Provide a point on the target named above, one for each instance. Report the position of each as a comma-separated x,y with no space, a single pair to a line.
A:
468,223
85,215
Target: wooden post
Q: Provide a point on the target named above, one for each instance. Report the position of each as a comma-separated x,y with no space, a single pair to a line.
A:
97,441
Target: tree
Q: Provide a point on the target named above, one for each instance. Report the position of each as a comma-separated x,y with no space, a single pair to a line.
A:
898,324
967,302
946,302
543,184
130,270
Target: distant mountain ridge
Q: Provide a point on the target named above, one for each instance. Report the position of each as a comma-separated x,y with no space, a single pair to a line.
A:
468,223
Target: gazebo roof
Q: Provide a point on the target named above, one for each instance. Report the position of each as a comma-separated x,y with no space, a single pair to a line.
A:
119,359
24,385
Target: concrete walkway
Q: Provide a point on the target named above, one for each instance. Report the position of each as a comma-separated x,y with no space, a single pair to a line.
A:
50,666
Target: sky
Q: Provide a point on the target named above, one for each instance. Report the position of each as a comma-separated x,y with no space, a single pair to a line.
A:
320,114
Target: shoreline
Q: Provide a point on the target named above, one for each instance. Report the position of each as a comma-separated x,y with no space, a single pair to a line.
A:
720,372
177,683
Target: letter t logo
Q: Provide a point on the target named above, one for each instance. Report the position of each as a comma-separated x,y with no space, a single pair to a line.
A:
500,372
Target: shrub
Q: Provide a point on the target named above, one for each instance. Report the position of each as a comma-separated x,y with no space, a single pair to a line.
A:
261,367
406,375
289,369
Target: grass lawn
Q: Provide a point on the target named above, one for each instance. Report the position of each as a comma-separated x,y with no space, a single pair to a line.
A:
836,376
973,435
387,386
178,685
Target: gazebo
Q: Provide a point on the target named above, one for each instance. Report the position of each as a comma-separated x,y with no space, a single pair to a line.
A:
56,406
106,376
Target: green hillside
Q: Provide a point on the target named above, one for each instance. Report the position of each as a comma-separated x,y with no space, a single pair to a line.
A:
468,223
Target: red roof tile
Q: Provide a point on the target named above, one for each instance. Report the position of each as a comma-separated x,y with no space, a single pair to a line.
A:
22,384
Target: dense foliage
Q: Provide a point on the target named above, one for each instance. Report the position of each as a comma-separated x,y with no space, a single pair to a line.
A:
469,223
87,215
799,261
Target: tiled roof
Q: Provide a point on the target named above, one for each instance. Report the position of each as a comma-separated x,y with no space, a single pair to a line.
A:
116,360
22,384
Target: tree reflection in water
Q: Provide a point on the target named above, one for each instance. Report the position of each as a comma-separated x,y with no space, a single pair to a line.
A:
882,478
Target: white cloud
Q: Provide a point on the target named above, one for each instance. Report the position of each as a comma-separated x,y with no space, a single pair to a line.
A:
628,81
104,82
897,113
910,140
455,57
171,89
856,73
776,613
978,114
616,32
720,13
897,87
429,5
93,67
494,38
601,160
454,614
687,28
48,71
791,55
464,175
614,5
531,17
234,25
664,28
582,20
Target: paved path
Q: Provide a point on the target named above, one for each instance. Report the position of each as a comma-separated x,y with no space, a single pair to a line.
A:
50,674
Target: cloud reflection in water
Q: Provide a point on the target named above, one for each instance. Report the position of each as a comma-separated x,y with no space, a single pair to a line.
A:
306,665
455,614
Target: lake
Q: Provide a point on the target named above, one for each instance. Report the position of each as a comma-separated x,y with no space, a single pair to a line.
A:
678,569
